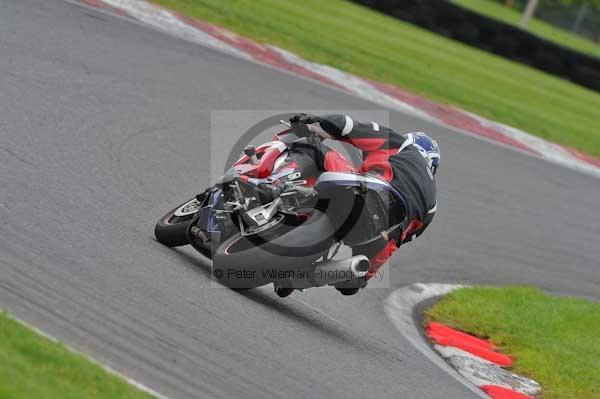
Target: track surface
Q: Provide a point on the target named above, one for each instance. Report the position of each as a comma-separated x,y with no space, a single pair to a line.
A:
104,126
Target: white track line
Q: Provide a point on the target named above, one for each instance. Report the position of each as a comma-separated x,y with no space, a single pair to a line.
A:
168,22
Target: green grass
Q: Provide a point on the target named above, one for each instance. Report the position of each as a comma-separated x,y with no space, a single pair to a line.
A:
555,340
32,366
370,44
536,26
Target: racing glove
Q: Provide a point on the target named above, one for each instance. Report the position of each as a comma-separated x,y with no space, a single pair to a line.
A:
314,124
305,119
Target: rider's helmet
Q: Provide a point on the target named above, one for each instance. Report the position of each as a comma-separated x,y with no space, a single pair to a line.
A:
427,146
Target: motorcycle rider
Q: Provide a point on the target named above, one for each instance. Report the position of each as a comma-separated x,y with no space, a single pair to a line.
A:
408,162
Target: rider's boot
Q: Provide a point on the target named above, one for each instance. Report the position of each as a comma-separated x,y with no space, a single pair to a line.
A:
347,291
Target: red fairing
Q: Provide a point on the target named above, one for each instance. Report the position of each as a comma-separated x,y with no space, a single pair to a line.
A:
335,162
268,155
379,259
259,150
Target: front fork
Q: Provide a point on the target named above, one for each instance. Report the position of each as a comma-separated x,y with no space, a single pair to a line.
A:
199,232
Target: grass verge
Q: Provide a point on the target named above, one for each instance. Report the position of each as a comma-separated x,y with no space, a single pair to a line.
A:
536,26
32,366
554,340
367,43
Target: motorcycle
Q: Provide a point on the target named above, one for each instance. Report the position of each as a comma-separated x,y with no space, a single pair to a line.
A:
274,217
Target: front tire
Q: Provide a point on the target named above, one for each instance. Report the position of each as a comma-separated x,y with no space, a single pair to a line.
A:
171,229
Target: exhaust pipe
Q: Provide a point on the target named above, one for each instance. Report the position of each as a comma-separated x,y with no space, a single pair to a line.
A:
331,272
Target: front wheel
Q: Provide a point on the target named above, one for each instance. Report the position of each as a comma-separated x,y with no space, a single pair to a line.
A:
171,229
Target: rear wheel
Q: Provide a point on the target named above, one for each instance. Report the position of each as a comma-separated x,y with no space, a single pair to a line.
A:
171,229
247,262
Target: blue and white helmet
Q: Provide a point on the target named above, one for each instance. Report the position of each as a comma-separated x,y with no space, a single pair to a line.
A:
427,146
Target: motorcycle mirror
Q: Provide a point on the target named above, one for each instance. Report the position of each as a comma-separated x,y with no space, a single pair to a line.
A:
250,152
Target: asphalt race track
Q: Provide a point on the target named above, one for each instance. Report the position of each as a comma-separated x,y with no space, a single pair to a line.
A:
104,126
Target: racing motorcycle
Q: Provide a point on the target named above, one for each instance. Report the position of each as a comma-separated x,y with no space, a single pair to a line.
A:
274,217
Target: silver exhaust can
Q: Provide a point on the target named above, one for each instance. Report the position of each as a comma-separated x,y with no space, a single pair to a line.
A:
330,272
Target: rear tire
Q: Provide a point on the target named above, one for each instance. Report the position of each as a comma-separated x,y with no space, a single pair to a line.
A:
244,262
